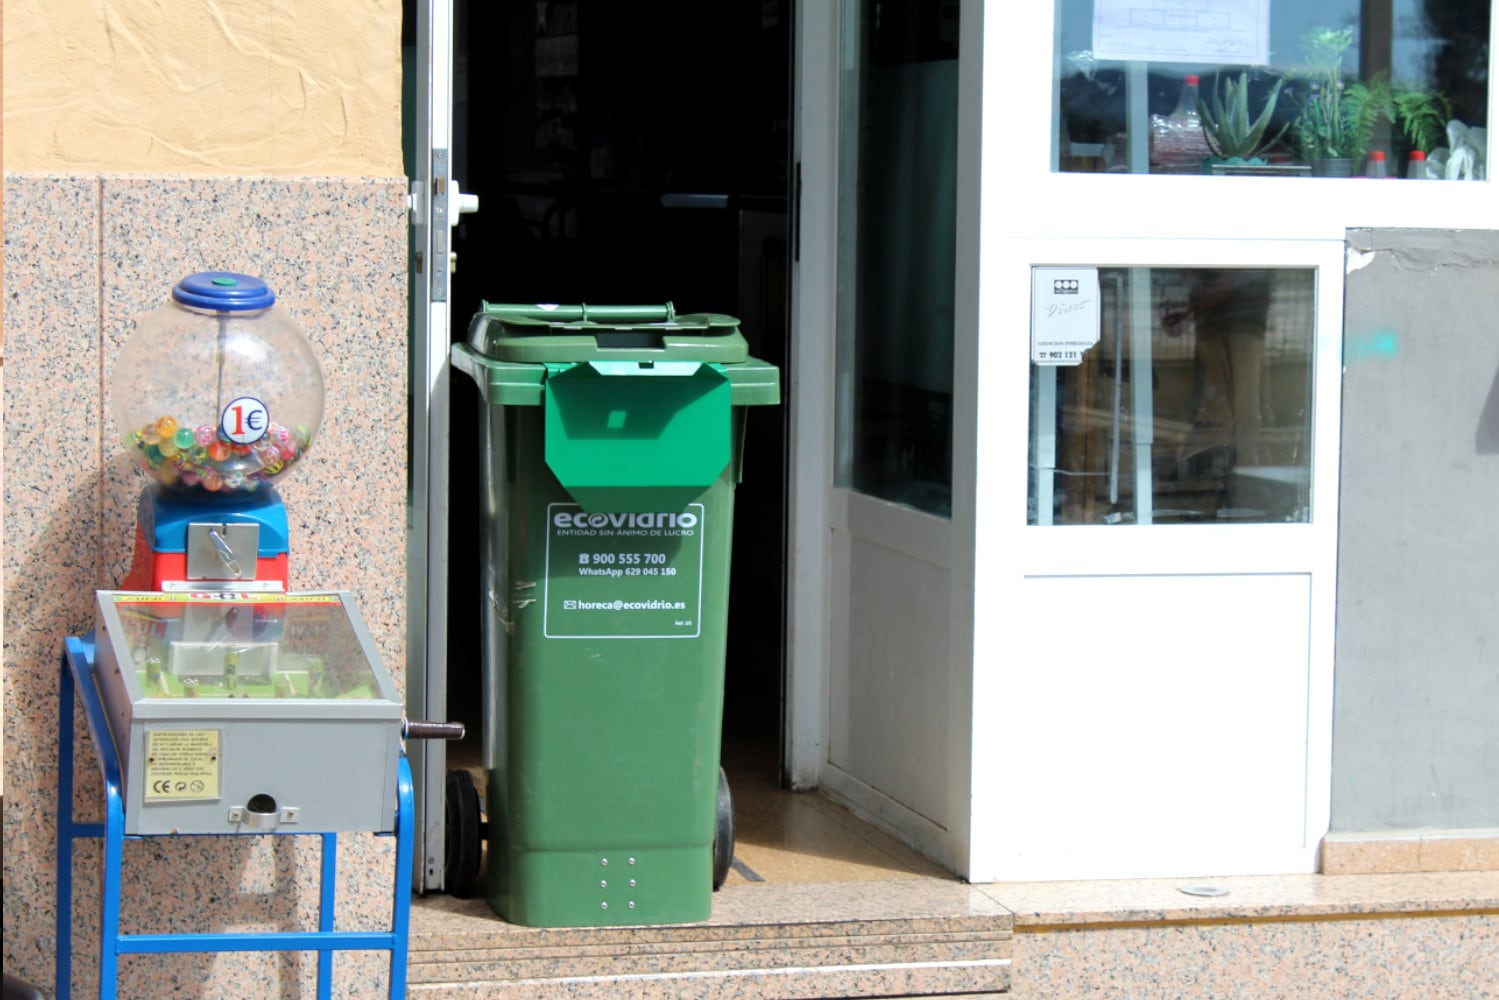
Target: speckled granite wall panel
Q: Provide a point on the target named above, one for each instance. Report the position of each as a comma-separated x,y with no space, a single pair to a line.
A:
85,258
51,519
1372,959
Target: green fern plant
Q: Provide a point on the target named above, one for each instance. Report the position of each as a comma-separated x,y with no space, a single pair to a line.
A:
1226,124
1421,116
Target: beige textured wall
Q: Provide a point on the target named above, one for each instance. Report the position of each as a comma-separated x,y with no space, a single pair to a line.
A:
288,87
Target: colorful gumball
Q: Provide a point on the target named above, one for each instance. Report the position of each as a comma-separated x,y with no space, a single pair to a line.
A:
188,457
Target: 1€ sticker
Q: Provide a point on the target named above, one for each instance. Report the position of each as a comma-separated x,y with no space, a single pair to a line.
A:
245,420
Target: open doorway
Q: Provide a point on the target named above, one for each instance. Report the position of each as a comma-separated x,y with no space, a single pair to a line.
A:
637,158
631,155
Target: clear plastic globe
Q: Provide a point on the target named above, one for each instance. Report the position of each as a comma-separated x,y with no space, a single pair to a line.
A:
217,393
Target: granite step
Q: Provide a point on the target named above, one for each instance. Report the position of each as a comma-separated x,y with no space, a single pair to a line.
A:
867,939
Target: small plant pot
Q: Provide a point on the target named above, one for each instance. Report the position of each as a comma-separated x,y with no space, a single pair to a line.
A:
1222,169
1340,167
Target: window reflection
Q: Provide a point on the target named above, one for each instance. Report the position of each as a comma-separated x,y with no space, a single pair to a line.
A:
1347,87
1195,405
897,251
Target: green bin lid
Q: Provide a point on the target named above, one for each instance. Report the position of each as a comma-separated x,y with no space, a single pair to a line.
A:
562,333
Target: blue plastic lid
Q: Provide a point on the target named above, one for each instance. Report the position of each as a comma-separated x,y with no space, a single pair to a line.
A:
224,291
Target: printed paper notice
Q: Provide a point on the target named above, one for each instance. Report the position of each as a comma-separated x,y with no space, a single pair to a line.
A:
181,764
1231,32
1065,317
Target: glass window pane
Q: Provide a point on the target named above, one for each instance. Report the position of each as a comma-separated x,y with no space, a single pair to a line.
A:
1345,86
897,216
1195,405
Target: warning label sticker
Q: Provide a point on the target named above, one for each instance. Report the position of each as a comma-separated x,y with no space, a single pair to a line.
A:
181,764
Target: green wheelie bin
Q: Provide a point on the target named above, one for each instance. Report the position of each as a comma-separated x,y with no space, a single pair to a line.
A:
612,442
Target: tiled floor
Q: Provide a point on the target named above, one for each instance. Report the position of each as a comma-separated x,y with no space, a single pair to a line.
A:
787,837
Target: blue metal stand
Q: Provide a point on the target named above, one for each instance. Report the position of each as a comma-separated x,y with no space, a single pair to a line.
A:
78,675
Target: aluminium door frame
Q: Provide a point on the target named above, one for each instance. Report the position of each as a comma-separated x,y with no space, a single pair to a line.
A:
427,549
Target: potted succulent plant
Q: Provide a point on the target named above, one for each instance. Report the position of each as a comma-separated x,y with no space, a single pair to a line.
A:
1235,138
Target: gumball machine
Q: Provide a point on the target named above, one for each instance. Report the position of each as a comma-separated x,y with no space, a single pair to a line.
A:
219,701
218,395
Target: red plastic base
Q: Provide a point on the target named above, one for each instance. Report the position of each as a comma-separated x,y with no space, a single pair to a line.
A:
154,570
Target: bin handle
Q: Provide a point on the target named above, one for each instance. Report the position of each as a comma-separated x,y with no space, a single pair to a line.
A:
548,312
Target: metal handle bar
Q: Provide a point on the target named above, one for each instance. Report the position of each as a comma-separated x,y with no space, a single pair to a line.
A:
413,729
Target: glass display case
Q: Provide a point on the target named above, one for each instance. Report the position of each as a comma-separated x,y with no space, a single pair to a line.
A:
247,710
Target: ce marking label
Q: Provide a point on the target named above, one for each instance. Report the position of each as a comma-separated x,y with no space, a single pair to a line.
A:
182,764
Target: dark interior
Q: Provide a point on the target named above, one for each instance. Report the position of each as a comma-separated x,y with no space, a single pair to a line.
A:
631,154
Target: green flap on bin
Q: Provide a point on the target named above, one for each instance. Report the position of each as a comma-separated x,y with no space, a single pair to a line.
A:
632,436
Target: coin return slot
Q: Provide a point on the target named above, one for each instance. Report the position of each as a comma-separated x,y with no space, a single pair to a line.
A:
262,813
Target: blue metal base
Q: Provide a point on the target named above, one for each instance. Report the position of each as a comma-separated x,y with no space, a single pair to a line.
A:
78,675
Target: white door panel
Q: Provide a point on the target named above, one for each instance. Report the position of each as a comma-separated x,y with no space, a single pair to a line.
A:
877,702
1164,728
889,710
1151,699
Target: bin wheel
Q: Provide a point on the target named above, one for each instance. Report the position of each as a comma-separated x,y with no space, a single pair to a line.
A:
723,840
463,836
